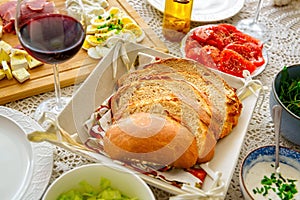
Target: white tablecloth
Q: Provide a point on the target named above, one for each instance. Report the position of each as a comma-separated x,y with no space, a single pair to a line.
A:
283,23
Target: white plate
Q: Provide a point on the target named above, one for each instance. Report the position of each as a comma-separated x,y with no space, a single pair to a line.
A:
100,85
256,72
25,168
209,10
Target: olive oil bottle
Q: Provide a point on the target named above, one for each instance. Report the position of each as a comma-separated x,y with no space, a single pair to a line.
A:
177,19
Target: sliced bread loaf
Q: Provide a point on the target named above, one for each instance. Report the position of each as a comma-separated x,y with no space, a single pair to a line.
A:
225,105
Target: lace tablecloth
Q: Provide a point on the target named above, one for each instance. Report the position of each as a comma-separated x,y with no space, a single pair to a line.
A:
284,49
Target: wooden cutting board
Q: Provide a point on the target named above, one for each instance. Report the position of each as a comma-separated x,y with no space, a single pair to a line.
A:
71,72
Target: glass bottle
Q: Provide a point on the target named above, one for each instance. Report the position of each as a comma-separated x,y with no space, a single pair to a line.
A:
177,19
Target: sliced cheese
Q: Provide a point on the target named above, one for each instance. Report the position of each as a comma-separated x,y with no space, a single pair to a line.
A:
17,52
32,62
21,74
6,70
18,61
4,56
2,74
5,46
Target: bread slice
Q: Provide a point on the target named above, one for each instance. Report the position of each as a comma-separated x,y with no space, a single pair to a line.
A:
225,105
156,88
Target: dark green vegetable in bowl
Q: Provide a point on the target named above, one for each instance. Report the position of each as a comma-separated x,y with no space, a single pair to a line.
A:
285,92
289,93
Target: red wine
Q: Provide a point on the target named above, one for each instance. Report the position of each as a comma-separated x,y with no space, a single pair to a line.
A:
52,38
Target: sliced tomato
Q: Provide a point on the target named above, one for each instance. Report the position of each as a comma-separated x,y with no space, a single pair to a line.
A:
199,173
213,52
234,63
257,49
212,35
242,38
230,28
248,51
226,48
198,54
191,43
201,34
257,52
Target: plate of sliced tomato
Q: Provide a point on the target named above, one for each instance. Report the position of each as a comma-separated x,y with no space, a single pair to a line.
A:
223,47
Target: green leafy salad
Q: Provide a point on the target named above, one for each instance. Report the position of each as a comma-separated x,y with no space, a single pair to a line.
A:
289,93
86,191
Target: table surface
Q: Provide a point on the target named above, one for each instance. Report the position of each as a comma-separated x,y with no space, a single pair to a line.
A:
284,49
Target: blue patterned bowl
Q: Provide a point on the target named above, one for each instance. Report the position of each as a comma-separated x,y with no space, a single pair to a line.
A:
266,154
290,125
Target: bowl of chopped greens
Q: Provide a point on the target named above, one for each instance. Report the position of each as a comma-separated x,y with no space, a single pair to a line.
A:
99,181
260,180
286,93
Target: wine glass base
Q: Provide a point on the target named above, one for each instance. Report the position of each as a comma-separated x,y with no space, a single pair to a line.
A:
47,111
256,30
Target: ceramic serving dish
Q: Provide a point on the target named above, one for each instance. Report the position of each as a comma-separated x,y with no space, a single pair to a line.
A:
101,84
127,182
290,124
261,162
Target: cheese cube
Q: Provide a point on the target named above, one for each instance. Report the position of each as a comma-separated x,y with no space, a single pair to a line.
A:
5,46
32,62
21,74
2,74
18,61
7,70
4,55
17,51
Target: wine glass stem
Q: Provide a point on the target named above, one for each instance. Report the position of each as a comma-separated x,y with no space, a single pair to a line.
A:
57,87
257,12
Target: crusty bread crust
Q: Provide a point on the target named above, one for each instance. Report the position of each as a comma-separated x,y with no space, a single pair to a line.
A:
151,138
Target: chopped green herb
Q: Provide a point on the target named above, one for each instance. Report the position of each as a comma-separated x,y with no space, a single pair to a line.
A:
120,22
289,93
284,188
102,26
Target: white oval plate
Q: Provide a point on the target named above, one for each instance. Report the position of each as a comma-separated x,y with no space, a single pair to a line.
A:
25,168
208,11
258,70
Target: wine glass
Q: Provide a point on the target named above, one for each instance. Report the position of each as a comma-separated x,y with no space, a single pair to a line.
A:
253,27
51,31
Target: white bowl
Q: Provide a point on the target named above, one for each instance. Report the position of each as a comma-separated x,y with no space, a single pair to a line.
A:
121,178
288,157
